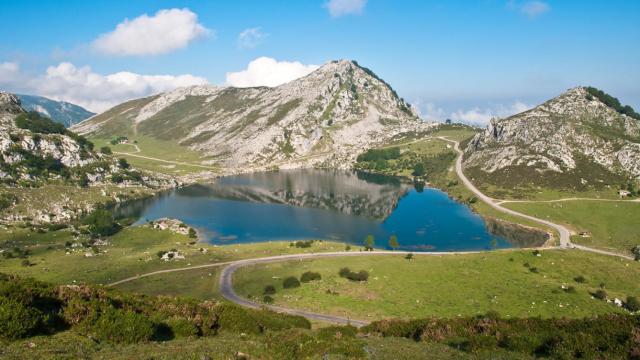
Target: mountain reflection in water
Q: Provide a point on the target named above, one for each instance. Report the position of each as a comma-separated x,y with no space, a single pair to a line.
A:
320,204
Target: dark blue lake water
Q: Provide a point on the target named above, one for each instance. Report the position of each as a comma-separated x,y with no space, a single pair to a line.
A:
318,204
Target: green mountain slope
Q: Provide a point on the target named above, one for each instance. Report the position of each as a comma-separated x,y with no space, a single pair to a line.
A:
59,111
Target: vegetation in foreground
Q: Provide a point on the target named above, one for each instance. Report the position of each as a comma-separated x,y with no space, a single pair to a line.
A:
520,283
39,320
601,224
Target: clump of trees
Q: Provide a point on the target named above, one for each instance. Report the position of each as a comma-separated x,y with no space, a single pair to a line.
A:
302,244
361,275
37,123
101,222
613,102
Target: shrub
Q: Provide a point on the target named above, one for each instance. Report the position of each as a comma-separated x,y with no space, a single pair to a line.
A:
161,253
290,282
182,328
347,248
192,233
613,102
362,275
600,294
18,321
580,279
267,299
570,290
418,170
25,263
106,150
409,256
304,244
123,163
632,303
269,290
310,276
120,326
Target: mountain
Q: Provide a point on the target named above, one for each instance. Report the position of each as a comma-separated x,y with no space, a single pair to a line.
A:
581,139
323,119
59,111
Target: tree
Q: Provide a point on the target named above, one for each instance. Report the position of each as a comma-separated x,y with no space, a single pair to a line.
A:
393,242
123,163
269,290
418,170
192,233
369,242
106,150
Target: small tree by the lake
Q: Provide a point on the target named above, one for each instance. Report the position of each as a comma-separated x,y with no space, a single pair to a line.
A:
369,242
409,256
393,242
192,233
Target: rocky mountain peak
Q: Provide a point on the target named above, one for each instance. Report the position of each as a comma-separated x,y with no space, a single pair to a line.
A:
583,134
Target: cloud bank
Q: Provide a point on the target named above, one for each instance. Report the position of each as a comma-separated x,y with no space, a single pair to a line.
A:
478,116
265,71
91,90
166,31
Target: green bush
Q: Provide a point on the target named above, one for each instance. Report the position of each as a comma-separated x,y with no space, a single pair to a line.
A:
122,326
269,290
600,294
123,163
362,275
182,328
290,282
310,276
303,244
17,320
106,150
632,303
409,256
580,279
267,299
192,233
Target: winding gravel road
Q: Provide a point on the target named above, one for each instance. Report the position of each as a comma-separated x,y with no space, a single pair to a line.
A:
226,282
226,276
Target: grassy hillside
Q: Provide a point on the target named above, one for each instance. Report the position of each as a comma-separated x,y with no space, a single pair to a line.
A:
609,225
513,283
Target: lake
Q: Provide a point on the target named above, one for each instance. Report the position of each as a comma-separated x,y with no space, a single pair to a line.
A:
321,204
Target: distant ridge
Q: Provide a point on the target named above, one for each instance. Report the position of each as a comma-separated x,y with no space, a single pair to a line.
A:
62,112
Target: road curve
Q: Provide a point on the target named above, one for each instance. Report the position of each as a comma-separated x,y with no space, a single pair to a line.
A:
227,291
565,234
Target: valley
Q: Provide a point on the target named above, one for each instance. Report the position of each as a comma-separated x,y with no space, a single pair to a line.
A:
373,218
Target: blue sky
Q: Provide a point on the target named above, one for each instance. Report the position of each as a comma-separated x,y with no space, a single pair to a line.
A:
463,59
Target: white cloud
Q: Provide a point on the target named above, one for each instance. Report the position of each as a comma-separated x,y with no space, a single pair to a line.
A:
166,31
265,71
532,8
429,111
250,38
339,8
9,73
96,92
479,116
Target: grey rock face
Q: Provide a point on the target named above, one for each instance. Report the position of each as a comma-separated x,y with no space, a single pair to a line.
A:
557,134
